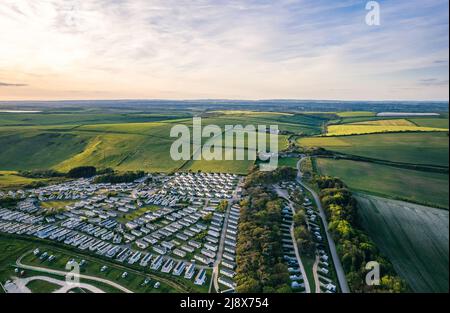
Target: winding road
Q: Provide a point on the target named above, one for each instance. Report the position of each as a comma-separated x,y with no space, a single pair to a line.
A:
63,273
337,262
65,286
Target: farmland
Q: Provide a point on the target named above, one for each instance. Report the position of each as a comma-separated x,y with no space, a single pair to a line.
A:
410,185
355,114
359,129
414,148
414,237
388,122
290,162
430,122
121,143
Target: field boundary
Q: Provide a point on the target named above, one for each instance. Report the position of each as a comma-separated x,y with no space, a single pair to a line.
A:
411,166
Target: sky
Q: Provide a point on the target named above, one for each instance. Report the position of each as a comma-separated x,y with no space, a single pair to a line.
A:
217,49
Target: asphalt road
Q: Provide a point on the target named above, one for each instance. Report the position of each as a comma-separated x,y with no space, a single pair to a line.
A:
64,286
337,262
63,273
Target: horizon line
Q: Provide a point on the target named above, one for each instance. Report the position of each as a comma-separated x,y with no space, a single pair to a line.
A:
221,100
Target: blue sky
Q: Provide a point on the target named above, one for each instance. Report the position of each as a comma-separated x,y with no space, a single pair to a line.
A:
304,49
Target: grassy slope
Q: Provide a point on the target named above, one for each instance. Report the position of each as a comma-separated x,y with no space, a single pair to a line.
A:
417,148
31,149
415,238
124,146
9,179
415,186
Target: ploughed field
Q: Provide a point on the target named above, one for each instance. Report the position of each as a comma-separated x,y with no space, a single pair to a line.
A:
414,237
393,182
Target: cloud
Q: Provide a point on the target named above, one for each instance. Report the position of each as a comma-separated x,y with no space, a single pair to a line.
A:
2,84
433,82
225,48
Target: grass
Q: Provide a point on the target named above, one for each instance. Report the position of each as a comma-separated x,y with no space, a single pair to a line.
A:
56,206
42,286
289,162
10,250
355,114
414,238
10,180
430,122
68,118
223,166
13,247
387,122
137,213
359,129
415,148
132,281
123,144
308,264
392,182
36,149
114,273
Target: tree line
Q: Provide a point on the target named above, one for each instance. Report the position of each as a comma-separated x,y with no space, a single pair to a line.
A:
354,247
106,175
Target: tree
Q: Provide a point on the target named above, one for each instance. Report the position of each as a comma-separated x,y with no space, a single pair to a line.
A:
82,172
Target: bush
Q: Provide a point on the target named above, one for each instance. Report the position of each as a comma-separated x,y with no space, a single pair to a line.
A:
116,178
40,174
82,172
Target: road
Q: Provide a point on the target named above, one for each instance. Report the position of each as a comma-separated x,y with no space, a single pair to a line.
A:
215,273
64,286
283,194
63,273
342,280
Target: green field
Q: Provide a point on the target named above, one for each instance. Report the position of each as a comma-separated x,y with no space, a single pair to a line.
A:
416,186
431,122
355,114
42,286
290,162
124,141
415,148
56,206
137,213
361,129
13,248
81,117
414,238
10,180
224,166
10,251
